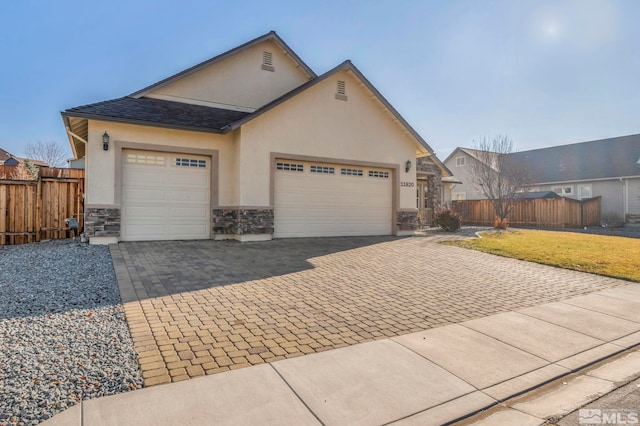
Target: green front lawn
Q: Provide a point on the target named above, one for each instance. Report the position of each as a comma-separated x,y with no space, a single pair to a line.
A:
616,257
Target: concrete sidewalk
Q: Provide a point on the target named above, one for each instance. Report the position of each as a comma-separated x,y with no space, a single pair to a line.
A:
431,377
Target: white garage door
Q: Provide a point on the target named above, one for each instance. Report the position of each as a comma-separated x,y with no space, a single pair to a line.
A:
165,196
321,200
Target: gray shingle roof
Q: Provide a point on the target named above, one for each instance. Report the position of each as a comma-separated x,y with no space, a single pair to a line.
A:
601,159
159,113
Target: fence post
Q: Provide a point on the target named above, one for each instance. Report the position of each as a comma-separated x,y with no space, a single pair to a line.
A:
38,218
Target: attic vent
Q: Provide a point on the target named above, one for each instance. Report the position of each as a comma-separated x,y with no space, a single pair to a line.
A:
267,61
341,90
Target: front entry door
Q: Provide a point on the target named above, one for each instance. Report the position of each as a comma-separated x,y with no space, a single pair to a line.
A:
423,201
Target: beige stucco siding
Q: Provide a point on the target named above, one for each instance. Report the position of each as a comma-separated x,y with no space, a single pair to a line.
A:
101,167
315,123
239,81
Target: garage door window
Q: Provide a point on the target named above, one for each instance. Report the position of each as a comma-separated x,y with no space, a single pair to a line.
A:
190,162
290,167
378,174
145,159
322,169
351,172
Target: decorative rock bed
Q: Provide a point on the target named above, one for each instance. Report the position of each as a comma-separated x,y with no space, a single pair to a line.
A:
63,333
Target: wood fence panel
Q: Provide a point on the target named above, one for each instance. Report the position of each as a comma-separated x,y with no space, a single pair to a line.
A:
541,212
591,211
34,210
7,171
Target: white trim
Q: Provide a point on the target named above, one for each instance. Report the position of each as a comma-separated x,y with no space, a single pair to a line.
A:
579,190
463,163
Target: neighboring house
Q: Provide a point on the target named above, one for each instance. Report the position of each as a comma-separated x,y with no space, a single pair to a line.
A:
76,163
609,168
250,145
4,156
458,162
8,159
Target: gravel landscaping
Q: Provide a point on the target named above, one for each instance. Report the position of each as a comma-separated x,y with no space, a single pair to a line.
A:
63,333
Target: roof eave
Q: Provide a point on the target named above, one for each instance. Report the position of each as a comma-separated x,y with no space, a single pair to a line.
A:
271,35
140,122
67,125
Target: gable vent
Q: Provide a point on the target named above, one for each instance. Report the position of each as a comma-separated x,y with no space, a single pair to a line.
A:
267,61
341,91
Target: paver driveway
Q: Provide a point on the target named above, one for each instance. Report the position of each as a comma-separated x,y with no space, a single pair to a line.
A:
204,307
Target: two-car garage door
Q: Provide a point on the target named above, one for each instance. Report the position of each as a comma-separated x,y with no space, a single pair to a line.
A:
322,199
165,196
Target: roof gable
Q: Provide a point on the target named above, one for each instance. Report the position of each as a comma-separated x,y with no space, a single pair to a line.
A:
345,66
237,79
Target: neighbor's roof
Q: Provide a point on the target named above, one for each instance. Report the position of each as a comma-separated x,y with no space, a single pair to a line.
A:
537,194
158,112
4,155
600,159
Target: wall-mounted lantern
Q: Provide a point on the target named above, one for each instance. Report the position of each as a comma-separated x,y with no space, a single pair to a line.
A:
105,141
407,166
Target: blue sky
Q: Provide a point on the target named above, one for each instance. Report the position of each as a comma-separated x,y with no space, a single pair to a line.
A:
542,72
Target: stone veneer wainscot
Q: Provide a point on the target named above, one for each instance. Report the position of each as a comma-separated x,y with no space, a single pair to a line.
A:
242,221
102,222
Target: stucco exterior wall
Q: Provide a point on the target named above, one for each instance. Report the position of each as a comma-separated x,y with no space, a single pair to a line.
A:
101,168
239,81
315,123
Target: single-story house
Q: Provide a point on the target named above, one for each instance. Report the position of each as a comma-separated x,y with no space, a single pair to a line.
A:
609,168
251,145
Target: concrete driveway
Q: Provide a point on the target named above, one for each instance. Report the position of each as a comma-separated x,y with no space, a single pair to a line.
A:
204,307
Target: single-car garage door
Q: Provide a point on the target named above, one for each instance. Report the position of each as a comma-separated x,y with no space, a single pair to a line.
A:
321,200
165,196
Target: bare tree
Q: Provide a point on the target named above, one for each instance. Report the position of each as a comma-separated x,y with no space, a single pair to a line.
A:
498,177
52,153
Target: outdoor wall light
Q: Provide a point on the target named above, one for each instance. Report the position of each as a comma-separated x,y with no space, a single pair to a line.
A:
105,141
407,166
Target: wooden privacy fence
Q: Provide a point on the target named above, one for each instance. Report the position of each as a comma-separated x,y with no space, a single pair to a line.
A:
539,213
35,210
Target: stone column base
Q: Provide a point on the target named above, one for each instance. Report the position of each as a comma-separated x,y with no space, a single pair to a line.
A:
102,222
244,224
406,221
